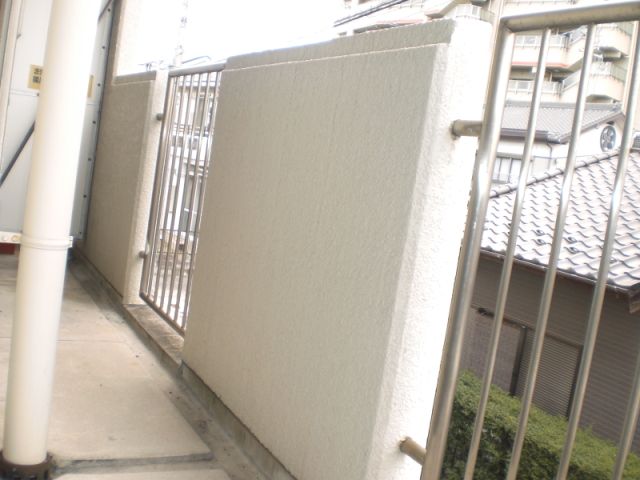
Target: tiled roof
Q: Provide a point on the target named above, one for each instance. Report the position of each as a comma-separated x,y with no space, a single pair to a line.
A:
585,226
555,119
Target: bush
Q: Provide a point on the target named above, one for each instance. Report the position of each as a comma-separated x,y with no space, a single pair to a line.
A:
593,458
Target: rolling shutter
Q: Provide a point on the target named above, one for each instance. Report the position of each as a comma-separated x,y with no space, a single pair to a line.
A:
476,343
556,374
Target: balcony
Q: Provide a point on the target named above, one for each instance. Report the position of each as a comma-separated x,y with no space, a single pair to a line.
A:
523,90
612,42
331,230
606,82
528,46
520,6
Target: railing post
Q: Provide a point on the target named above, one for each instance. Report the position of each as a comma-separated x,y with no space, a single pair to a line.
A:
45,237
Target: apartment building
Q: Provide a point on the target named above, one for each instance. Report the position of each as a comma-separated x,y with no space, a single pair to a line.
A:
607,86
366,15
608,75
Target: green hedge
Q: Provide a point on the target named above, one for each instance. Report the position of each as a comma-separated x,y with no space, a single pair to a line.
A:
592,459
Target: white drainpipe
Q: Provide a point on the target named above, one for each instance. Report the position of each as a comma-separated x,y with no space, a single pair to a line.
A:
45,239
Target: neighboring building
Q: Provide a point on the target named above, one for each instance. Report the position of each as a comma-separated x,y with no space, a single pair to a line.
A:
608,74
613,42
368,15
606,86
619,334
601,132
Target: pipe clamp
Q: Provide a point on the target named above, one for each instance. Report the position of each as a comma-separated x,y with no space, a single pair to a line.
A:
40,243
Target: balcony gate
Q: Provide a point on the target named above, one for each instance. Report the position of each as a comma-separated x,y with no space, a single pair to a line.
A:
433,456
176,209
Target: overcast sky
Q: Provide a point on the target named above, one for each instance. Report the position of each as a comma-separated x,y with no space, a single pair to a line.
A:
222,28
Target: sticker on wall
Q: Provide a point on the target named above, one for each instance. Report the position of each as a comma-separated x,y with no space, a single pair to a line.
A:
35,77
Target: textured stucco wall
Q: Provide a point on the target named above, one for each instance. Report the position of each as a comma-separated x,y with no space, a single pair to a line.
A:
332,223
123,180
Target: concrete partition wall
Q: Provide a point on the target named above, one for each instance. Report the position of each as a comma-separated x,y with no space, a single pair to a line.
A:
123,180
333,217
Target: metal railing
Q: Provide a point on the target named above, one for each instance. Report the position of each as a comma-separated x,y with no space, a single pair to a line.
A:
624,27
598,69
176,210
608,69
386,5
434,454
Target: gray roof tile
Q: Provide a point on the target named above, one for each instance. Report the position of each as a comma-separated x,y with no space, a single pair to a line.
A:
585,225
555,119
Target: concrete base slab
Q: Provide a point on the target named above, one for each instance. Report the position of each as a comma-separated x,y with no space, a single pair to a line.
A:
105,403
116,412
174,475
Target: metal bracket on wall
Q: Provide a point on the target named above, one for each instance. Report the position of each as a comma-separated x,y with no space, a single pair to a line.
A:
414,450
466,128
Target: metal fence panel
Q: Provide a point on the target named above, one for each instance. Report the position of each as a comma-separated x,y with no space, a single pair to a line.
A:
176,210
589,16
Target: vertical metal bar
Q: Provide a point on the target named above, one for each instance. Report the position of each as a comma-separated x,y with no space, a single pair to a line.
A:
166,187
507,267
630,422
510,173
603,272
182,183
547,293
176,190
154,217
201,184
185,250
470,252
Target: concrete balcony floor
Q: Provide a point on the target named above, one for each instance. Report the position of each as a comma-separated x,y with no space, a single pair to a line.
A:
117,413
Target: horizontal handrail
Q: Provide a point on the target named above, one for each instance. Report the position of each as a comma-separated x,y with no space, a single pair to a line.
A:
213,67
573,17
369,11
